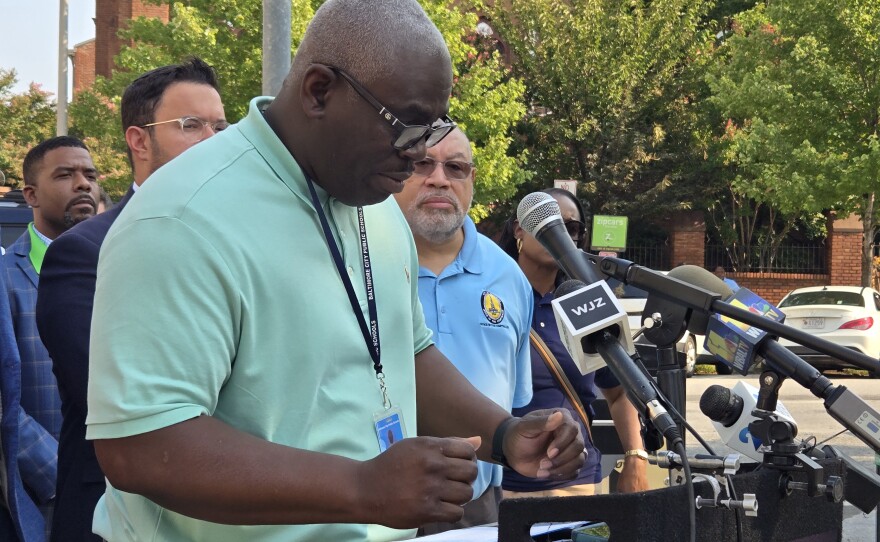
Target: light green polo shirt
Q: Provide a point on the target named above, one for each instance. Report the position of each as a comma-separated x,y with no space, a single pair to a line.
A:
217,295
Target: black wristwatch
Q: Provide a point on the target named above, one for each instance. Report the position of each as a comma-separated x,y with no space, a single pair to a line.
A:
498,442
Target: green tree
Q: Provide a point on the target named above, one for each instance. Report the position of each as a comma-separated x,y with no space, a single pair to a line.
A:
25,120
800,85
606,94
228,35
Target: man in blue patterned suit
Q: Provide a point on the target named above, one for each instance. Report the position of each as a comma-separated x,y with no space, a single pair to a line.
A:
61,186
28,460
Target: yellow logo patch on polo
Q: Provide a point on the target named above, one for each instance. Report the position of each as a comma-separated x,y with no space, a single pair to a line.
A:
493,308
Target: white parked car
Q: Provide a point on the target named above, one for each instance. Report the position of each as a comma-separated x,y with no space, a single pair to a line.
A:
845,315
633,300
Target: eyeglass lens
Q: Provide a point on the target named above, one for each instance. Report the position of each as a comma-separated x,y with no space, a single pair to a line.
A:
411,135
193,126
453,169
575,228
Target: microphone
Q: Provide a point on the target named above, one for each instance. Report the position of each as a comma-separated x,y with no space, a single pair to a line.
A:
638,385
842,404
539,215
731,414
580,312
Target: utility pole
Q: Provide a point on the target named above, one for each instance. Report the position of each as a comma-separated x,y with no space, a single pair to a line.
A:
61,108
276,44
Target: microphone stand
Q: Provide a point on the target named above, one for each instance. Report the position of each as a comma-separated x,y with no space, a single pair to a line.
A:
671,380
705,302
785,454
843,405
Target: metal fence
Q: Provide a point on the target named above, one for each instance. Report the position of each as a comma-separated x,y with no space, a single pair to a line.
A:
653,256
789,258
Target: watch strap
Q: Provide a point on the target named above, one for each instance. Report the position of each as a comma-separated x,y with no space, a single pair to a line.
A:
641,454
498,442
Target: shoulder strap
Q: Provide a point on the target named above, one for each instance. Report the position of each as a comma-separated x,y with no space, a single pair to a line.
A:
559,375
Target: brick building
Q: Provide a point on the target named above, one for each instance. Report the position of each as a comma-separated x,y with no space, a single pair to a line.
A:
95,57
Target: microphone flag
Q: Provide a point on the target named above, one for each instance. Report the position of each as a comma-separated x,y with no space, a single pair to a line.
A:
734,342
585,311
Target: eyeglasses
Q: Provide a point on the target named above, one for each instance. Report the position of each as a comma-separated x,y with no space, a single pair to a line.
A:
193,128
576,229
409,135
455,170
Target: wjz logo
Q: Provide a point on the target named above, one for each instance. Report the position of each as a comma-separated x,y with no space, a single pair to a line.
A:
587,307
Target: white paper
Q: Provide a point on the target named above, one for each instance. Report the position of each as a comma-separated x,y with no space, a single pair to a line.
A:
489,533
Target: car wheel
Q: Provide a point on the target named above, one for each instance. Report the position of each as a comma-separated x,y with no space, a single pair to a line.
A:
690,356
723,369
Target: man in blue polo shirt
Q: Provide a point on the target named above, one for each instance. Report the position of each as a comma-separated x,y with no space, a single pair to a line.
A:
476,300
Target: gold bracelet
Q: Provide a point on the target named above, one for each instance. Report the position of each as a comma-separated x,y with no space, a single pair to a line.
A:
641,454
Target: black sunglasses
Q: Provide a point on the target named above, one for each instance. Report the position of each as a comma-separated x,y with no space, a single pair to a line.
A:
576,229
409,135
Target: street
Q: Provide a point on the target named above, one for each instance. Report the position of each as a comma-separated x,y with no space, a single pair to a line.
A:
812,419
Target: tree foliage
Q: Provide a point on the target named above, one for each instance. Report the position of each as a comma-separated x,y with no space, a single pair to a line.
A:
228,35
798,83
25,119
606,94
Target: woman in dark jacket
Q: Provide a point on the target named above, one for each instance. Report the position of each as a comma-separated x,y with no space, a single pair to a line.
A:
544,276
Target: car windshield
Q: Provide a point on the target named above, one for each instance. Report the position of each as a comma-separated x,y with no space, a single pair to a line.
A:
625,291
823,297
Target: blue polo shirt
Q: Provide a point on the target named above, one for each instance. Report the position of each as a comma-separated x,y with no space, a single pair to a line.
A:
548,394
480,310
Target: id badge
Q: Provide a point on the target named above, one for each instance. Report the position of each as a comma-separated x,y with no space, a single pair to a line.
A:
389,427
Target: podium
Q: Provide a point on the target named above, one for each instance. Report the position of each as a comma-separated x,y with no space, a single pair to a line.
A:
662,515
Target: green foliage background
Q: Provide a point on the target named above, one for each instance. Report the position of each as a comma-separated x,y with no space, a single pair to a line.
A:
762,115
227,34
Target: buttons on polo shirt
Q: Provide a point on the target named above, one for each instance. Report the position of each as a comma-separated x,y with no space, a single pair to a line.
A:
350,271
542,324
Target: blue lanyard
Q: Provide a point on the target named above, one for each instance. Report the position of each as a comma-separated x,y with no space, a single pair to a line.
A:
371,332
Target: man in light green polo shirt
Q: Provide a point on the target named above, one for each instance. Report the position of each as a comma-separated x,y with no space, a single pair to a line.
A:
260,367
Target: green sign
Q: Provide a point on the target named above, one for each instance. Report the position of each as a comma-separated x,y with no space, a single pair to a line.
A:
609,233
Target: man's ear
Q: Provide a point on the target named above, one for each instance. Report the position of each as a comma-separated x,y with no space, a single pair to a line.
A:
30,195
315,89
139,142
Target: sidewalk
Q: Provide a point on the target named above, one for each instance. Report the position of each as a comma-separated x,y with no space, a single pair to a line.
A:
858,527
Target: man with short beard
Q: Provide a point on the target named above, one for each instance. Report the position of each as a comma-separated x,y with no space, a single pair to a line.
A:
476,300
60,184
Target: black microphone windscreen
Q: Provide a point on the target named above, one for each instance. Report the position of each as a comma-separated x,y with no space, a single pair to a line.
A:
535,209
721,405
567,287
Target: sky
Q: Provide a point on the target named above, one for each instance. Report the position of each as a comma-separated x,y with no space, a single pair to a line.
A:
29,39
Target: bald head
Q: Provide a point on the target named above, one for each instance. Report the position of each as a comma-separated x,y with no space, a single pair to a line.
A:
363,72
368,38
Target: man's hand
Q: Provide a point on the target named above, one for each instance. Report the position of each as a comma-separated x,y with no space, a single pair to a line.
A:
545,444
419,480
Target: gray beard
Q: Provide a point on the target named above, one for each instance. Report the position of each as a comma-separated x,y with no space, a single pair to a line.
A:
436,226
